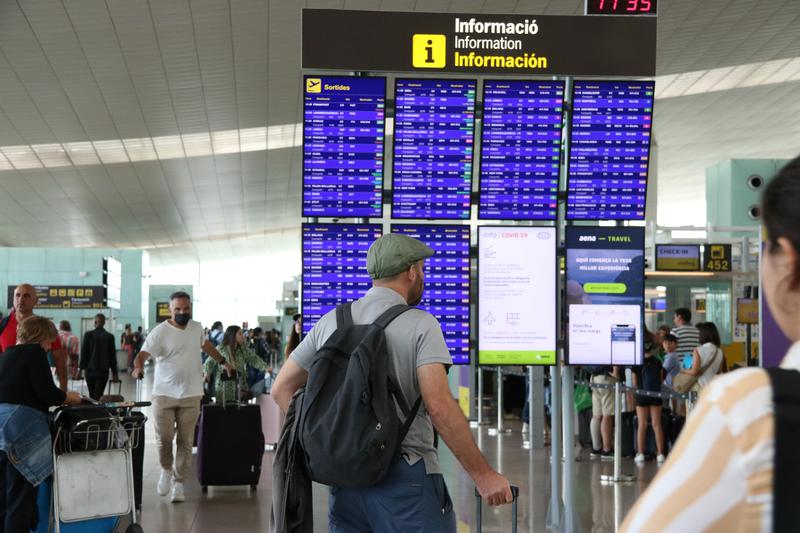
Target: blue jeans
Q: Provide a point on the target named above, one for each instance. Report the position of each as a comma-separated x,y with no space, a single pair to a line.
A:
408,499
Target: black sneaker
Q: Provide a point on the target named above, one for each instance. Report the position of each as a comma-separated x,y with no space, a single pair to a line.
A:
595,454
607,455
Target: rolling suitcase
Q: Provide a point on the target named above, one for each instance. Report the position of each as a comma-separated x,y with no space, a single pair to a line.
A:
271,419
628,434
221,425
113,396
479,510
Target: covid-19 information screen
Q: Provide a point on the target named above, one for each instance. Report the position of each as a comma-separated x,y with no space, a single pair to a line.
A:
334,266
446,293
433,148
609,150
343,138
520,149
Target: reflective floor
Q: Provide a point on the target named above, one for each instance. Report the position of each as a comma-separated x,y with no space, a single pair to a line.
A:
598,507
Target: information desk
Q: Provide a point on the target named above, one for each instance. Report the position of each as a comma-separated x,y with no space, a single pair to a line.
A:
434,129
520,149
446,293
334,267
343,137
609,150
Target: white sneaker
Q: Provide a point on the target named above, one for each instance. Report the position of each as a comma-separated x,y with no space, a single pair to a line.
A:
177,492
164,482
660,459
639,459
525,427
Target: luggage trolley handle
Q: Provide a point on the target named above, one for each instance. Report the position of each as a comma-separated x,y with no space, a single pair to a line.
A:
478,509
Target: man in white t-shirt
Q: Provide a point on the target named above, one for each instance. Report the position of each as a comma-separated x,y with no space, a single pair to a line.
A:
177,388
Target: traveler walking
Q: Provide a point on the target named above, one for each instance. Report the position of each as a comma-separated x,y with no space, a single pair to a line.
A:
98,356
734,465
412,496
26,392
233,349
25,301
177,389
128,343
72,347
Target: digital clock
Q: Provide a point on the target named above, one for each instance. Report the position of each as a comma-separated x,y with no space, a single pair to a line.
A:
622,7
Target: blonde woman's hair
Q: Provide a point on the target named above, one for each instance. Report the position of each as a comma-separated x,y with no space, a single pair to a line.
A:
35,329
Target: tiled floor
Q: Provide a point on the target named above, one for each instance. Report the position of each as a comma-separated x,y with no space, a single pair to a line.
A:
236,509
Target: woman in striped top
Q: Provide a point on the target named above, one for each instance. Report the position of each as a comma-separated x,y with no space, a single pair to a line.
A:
719,477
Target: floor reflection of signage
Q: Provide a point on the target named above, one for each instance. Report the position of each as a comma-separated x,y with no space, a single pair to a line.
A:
162,311
718,258
65,297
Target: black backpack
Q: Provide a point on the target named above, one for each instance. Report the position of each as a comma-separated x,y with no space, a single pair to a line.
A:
349,428
786,468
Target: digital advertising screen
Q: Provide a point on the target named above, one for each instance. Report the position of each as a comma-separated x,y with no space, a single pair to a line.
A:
678,257
434,130
334,266
516,295
446,293
520,149
605,295
343,138
609,152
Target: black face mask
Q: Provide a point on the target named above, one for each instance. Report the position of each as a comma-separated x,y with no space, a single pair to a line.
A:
183,318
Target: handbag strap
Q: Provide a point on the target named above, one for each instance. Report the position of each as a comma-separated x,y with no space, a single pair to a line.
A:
708,365
786,469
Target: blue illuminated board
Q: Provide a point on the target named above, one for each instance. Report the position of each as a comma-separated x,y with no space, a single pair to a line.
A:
520,149
434,130
334,266
446,293
609,150
343,137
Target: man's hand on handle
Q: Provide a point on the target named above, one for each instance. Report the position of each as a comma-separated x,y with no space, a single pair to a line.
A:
494,488
73,398
137,372
229,368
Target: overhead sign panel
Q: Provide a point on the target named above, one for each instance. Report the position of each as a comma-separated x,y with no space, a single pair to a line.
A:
520,149
718,258
678,257
336,39
516,295
446,293
65,296
434,130
334,266
343,137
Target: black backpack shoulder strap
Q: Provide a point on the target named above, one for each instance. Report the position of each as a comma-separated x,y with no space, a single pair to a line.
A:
786,397
344,316
390,314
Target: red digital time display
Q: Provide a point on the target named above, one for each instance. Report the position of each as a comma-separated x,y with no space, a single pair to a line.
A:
621,7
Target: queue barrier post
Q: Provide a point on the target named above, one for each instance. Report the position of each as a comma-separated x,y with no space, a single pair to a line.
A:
554,510
499,430
617,476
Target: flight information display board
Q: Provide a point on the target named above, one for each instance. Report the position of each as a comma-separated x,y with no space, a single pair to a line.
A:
434,129
343,137
334,266
520,149
609,149
446,293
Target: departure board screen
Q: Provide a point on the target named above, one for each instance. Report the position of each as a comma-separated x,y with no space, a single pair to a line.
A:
343,137
334,266
434,129
609,150
446,293
520,149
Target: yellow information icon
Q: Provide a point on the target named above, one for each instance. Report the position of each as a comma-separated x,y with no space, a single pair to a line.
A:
717,252
313,85
429,50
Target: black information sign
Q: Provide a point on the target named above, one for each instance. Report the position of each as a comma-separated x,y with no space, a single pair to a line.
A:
718,258
65,296
622,7
335,39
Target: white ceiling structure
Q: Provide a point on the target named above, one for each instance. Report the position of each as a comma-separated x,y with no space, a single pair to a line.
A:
173,125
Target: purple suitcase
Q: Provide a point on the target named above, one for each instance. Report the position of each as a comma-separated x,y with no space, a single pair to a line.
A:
230,445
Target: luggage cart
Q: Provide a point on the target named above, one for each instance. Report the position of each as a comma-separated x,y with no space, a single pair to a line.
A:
93,462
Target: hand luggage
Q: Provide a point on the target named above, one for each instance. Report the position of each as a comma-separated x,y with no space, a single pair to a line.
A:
584,428
650,448
271,419
230,444
479,510
113,396
628,434
672,433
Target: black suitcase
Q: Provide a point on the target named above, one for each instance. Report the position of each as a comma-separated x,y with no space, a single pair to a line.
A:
628,434
650,448
673,431
585,428
479,510
217,462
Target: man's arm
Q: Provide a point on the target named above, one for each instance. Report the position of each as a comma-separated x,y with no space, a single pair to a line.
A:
289,380
212,352
451,424
111,353
138,364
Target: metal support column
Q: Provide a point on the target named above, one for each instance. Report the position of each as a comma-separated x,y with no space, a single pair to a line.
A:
554,511
499,430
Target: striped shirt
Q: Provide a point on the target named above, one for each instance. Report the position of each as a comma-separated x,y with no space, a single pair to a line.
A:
719,476
688,339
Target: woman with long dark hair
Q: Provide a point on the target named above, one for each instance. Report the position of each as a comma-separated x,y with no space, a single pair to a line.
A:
234,349
295,336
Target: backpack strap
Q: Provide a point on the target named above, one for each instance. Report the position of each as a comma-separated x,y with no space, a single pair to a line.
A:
390,314
786,469
344,316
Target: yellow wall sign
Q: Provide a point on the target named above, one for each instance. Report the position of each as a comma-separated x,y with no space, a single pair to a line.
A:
313,85
429,50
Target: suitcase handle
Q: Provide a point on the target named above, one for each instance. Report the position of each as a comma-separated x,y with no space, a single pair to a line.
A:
478,515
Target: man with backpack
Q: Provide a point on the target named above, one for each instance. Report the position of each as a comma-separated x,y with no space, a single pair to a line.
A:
383,365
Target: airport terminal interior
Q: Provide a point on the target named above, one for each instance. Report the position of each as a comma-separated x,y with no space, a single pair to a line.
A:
588,175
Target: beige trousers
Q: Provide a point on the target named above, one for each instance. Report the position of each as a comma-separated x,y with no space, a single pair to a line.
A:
176,415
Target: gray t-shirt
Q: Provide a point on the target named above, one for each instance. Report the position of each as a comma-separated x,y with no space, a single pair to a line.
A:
414,339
